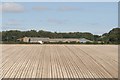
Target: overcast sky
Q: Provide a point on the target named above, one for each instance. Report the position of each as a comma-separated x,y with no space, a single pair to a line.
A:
94,17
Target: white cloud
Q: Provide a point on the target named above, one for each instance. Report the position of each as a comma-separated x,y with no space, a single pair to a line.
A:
11,7
56,21
40,8
64,8
12,23
69,8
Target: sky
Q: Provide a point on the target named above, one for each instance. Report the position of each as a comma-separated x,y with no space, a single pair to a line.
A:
94,17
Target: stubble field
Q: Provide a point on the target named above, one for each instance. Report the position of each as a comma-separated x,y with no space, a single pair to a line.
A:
59,61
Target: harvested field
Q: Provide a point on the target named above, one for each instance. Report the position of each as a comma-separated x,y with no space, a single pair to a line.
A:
59,61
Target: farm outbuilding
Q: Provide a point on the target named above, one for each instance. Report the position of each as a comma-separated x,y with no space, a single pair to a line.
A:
64,40
40,39
83,40
35,39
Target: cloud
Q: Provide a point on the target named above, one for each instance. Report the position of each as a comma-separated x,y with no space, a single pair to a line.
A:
64,8
56,21
11,7
12,23
40,8
69,8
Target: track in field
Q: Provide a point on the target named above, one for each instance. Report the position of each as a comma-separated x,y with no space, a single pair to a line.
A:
60,61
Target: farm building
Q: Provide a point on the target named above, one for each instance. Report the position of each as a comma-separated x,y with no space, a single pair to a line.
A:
39,39
64,40
83,40
36,39
33,39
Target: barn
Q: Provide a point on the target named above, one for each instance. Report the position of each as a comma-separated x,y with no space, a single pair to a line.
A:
35,39
42,40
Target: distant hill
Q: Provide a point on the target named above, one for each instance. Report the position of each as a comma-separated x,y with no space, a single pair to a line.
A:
112,37
15,34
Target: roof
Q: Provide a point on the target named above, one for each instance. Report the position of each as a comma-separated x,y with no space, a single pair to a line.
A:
64,39
38,39
56,39
83,39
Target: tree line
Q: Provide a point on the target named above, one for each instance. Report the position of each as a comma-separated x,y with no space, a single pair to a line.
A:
111,37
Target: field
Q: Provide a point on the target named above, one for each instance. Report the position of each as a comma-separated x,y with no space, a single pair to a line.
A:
59,61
